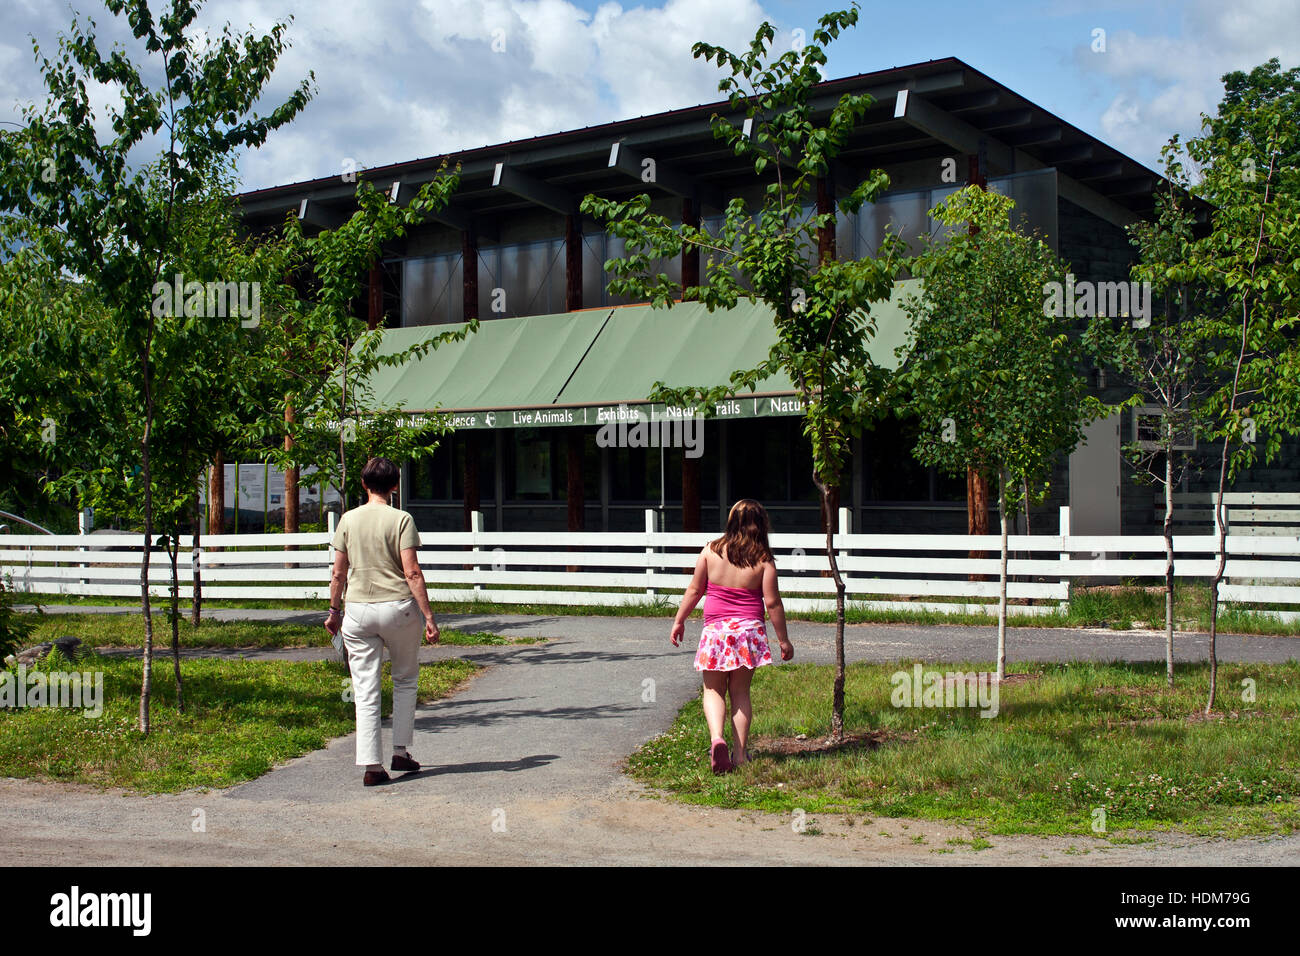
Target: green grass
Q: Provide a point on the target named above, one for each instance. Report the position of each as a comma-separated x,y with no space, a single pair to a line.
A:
241,719
1120,608
126,630
1077,737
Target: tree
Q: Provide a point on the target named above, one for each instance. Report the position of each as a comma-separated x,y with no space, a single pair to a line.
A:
821,306
91,210
1248,266
1156,356
327,357
992,373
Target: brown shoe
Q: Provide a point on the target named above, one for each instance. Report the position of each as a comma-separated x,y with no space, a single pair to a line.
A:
375,777
404,763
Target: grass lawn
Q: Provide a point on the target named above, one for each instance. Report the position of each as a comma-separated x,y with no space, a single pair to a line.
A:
127,630
242,718
1136,604
1068,739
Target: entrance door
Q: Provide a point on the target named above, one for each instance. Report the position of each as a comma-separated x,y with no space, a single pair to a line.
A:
1095,479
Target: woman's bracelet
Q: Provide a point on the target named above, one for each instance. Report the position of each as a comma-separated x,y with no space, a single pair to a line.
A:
335,610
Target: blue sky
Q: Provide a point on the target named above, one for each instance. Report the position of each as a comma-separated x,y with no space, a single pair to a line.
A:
398,79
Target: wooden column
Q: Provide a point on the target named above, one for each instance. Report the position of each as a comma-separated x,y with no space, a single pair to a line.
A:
690,494
469,274
690,254
290,478
471,478
574,491
573,472
572,263
825,206
217,495
375,315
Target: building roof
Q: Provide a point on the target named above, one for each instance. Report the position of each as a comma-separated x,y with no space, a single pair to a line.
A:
930,110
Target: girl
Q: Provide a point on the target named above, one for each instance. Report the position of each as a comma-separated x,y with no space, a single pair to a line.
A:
740,576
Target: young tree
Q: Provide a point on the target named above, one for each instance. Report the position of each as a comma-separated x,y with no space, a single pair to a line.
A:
1247,267
90,207
328,357
821,306
992,373
1156,355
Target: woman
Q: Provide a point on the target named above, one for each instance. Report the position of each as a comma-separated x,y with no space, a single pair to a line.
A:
740,577
388,606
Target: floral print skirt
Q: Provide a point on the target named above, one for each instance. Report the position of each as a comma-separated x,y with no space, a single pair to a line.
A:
731,643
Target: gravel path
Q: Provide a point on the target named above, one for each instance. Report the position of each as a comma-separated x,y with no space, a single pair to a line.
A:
522,766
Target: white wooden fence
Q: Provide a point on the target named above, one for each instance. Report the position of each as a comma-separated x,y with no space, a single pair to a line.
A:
1250,512
885,571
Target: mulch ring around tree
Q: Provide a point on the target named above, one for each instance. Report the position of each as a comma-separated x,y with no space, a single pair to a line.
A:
803,746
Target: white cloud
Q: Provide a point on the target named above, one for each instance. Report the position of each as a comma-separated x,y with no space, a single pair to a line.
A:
1166,81
397,81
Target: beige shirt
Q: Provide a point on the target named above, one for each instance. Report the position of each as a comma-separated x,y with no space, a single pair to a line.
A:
373,537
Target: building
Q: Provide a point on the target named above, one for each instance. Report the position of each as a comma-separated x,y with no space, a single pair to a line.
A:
557,355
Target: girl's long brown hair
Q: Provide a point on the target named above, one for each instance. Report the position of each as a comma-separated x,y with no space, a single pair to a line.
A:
744,543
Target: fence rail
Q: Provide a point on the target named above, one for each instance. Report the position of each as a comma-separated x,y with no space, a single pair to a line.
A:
883,571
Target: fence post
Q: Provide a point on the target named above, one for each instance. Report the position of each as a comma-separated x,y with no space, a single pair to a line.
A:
651,526
331,519
1065,555
85,520
475,529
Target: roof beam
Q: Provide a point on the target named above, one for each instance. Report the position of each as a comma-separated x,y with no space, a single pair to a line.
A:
636,164
1133,187
459,219
313,213
1037,136
536,191
1007,119
959,134
1074,153
982,100
1110,170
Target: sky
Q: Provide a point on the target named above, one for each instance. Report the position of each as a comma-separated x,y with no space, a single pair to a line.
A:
397,80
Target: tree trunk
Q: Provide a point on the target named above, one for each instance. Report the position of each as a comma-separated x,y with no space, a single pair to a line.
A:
146,660
1214,584
173,553
837,693
1002,579
196,564
290,483
1169,566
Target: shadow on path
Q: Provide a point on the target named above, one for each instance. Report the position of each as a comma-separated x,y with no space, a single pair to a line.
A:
481,766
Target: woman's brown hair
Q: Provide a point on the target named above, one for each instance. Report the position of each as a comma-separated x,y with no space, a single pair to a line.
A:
744,542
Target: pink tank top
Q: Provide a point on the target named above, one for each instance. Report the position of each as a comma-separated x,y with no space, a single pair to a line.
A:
722,602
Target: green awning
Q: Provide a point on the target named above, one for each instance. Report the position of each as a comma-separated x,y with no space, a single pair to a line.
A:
593,366
506,364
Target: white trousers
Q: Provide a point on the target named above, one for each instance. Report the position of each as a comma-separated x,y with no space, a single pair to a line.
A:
367,630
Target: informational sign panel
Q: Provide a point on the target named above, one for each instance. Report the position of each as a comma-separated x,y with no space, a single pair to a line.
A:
256,490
